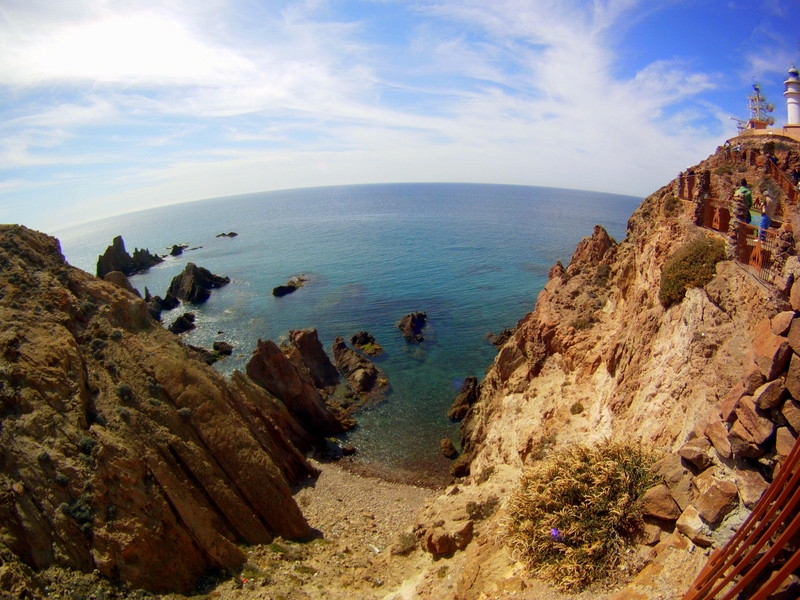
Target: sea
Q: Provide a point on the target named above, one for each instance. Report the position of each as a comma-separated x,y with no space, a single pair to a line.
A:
473,257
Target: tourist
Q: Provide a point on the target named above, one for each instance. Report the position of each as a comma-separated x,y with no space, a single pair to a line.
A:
744,195
767,214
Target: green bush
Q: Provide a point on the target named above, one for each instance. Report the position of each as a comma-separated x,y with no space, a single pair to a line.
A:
691,265
576,510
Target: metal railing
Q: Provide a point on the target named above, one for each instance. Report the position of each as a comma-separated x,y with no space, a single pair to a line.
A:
757,253
764,551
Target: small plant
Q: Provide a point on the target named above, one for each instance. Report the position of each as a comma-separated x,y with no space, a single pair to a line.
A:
576,510
692,265
576,408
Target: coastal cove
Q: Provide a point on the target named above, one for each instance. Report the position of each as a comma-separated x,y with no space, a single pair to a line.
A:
473,257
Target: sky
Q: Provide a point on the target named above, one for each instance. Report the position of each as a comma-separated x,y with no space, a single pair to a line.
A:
114,106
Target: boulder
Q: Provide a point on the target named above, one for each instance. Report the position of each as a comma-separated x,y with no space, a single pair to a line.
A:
294,284
772,352
695,452
412,325
730,401
793,377
692,526
366,343
222,348
782,322
183,323
676,477
658,503
793,335
195,283
119,278
742,443
758,425
770,394
717,434
362,374
271,369
784,441
791,412
116,258
467,396
751,486
314,358
447,448
445,539
716,498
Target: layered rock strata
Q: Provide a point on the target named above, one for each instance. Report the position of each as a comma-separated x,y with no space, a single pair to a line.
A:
120,450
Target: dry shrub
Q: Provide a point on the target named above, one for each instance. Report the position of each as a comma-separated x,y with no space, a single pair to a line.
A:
576,510
692,265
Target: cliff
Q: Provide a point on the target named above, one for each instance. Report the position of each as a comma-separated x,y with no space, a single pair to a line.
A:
601,358
121,451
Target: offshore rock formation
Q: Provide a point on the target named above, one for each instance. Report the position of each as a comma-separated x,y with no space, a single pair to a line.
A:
194,284
366,380
710,381
116,258
120,450
412,325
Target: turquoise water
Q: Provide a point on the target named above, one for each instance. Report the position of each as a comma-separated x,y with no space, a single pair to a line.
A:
474,257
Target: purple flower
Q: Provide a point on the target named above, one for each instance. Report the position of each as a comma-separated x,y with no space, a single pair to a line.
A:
555,534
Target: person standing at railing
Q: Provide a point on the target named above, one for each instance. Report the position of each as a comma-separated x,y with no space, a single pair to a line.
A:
768,206
744,194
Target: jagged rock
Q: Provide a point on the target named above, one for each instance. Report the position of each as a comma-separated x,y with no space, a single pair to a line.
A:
447,448
362,374
116,258
759,425
155,456
270,368
772,352
119,278
183,323
194,284
177,249
501,338
230,234
770,394
313,357
460,466
676,477
715,498
742,443
294,284
729,404
444,542
412,325
222,348
717,434
751,486
692,526
696,452
365,342
784,441
467,396
658,503
791,412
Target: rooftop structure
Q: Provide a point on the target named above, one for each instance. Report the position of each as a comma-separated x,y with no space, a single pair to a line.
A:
760,121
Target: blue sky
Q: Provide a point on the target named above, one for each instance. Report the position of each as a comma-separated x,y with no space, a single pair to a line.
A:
112,106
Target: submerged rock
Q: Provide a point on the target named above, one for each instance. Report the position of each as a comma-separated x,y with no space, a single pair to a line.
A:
294,284
366,343
412,325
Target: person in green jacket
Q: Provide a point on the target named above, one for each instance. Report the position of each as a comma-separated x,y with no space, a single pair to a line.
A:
744,193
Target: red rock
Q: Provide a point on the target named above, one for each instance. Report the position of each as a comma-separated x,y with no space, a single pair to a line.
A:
782,321
793,377
759,426
676,477
770,394
716,499
772,352
791,412
730,402
692,526
742,443
751,486
658,502
717,434
696,452
784,441
794,335
794,295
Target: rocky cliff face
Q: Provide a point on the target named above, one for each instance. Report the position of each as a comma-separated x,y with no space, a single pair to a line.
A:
120,450
599,357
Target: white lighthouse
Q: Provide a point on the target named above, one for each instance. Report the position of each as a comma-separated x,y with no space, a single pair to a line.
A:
792,94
